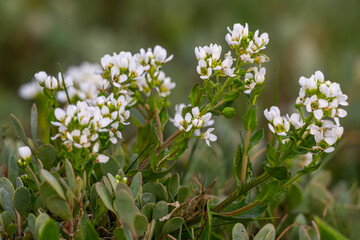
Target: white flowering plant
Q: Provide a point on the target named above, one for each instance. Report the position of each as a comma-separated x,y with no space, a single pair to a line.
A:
82,180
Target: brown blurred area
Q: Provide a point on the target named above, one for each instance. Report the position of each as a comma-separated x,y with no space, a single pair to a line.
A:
305,36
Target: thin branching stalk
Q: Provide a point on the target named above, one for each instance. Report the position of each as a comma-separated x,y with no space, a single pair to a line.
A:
245,158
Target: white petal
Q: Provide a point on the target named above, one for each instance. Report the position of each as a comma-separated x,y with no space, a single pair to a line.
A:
101,158
318,113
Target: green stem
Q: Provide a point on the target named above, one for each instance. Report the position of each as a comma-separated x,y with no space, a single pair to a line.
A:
243,209
245,158
63,79
166,143
235,195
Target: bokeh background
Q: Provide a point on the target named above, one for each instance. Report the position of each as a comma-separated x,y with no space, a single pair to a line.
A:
305,36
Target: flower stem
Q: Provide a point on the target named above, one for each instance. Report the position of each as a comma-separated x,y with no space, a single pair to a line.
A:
235,195
245,158
158,123
166,143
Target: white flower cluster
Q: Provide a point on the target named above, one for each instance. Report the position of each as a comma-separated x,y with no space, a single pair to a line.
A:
209,62
141,71
248,46
194,121
82,83
322,99
52,83
86,126
254,77
86,83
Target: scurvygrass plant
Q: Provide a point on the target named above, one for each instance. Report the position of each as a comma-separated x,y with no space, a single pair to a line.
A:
80,180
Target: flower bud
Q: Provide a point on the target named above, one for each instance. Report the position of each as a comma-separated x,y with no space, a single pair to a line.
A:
25,153
229,112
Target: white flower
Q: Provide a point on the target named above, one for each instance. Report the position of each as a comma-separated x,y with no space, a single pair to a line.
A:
262,40
160,54
41,77
51,83
259,75
30,90
234,37
101,158
183,124
326,135
278,124
246,57
295,120
203,69
25,153
270,115
208,136
200,53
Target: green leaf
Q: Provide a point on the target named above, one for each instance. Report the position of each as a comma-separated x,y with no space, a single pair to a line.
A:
31,220
11,230
271,154
141,223
184,191
112,181
266,233
6,219
34,122
160,192
239,232
104,195
294,196
250,119
172,225
40,223
148,210
53,182
161,209
149,175
327,231
279,172
48,155
46,191
49,231
125,208
7,203
164,117
13,170
22,201
5,183
195,91
119,233
267,192
173,185
147,198
256,138
230,96
19,129
59,207
135,186
86,230
112,166
70,175
153,157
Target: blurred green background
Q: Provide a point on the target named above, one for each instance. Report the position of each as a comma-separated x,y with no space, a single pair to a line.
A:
305,36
